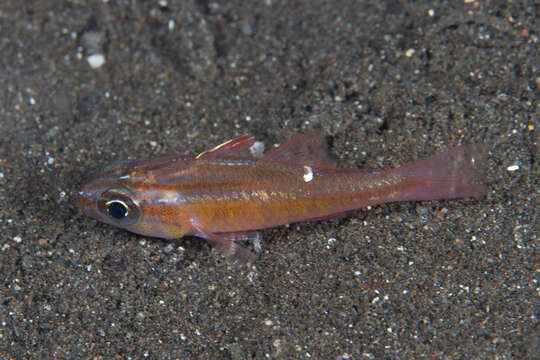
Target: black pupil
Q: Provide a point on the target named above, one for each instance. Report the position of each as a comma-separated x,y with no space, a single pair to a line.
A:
117,210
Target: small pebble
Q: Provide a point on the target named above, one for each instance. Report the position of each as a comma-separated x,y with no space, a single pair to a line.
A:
257,149
512,168
96,60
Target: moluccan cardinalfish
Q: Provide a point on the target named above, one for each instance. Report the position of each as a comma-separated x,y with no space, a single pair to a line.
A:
225,194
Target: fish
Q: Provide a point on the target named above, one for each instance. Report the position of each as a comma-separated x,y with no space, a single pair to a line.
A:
226,194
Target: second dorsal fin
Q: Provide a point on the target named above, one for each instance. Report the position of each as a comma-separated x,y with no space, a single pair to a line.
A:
304,149
235,148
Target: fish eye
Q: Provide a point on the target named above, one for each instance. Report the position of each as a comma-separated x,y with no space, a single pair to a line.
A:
117,206
117,209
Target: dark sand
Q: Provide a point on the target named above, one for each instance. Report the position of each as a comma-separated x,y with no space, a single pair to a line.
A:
387,83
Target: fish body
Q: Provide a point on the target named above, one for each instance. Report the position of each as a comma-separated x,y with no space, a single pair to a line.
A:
224,194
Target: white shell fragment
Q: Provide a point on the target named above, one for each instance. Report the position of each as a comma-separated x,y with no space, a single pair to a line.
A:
512,168
96,60
257,149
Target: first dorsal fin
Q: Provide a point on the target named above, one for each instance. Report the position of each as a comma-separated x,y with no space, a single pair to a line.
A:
235,148
304,149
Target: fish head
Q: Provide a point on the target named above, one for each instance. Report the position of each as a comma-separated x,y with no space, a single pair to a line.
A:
128,195
110,196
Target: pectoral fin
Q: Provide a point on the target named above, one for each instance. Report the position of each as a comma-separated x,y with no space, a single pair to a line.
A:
253,237
226,244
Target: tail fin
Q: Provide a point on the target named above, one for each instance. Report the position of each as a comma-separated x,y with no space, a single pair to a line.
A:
453,174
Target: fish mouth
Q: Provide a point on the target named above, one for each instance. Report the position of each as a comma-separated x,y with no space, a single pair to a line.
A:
85,201
81,199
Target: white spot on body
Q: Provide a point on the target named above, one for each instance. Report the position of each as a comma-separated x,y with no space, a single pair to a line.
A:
308,173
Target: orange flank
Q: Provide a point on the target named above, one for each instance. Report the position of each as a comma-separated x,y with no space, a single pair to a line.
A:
224,194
